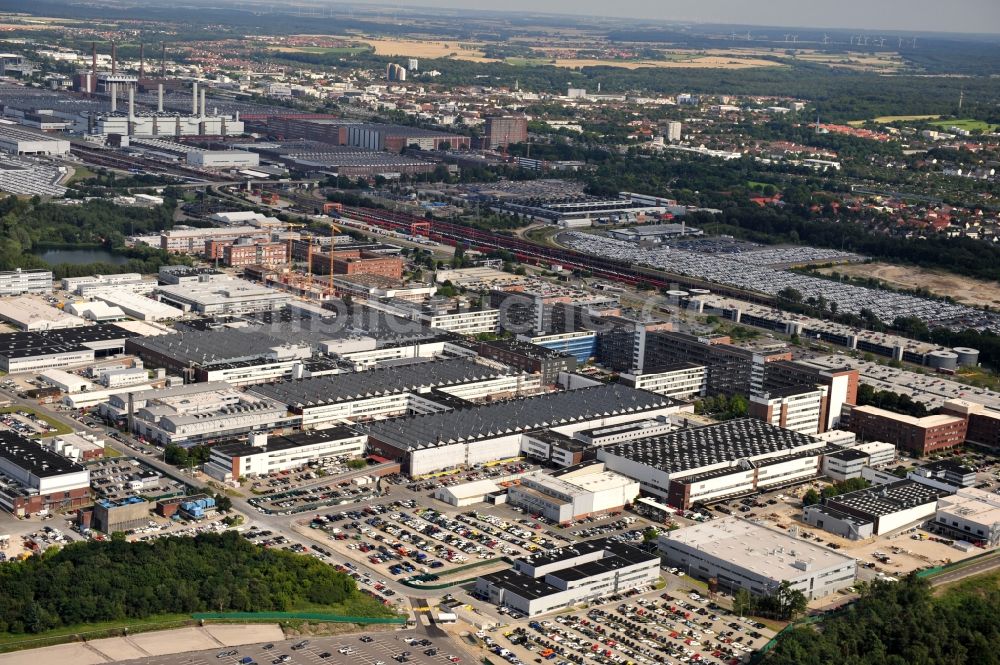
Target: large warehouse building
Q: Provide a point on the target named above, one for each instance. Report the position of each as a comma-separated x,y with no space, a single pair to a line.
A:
37,351
875,511
19,141
716,461
565,577
970,514
574,492
466,436
741,554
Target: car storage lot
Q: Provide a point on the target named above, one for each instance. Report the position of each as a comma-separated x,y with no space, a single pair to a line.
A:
661,628
383,647
406,538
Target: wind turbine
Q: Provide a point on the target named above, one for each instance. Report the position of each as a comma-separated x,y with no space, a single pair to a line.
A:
826,38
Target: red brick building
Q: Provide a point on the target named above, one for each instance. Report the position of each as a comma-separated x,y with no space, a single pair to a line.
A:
357,262
253,254
917,436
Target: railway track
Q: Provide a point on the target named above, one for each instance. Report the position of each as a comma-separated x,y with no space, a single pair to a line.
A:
527,251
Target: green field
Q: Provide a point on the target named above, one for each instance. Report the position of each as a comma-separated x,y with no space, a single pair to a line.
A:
967,124
527,62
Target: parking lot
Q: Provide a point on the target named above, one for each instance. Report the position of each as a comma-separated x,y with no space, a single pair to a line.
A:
662,627
374,648
26,423
317,495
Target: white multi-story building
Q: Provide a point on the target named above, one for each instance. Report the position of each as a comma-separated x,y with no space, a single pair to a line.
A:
741,554
232,296
681,381
261,454
797,409
17,282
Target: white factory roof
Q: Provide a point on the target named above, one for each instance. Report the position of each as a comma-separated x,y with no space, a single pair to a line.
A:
33,313
761,550
473,489
972,504
137,305
95,310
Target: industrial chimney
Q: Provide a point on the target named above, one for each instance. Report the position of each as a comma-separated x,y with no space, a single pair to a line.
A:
194,98
114,97
159,98
131,111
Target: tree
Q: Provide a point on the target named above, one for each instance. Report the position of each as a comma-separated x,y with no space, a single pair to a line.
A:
223,503
810,498
742,602
650,534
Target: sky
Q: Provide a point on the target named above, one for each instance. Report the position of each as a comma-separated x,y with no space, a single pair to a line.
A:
980,16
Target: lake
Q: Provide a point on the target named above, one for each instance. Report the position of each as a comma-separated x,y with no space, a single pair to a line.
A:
81,256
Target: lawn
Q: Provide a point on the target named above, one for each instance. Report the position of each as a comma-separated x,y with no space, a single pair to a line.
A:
966,123
60,428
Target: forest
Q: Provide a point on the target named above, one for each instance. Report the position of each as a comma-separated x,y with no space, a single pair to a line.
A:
28,226
903,623
115,580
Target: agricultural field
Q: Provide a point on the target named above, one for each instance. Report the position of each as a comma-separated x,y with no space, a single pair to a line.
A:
966,124
321,50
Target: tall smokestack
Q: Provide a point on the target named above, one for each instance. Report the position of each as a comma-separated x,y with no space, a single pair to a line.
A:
114,97
194,98
114,59
159,98
93,68
142,60
203,102
131,111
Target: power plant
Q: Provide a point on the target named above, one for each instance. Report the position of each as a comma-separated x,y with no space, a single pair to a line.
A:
120,89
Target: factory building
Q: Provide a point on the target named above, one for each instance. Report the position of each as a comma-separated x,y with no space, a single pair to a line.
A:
262,454
574,492
194,240
52,349
714,462
876,510
917,436
194,414
33,314
357,262
471,435
565,577
850,461
222,159
77,447
526,357
130,513
393,391
77,284
34,478
231,296
582,344
19,141
742,555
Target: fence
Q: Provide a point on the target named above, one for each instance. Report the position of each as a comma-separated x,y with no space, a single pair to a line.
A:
294,616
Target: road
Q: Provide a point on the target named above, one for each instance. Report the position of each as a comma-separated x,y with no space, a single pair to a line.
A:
981,566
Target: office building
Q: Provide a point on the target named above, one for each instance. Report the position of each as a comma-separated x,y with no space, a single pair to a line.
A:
742,555
680,381
527,357
502,130
193,240
262,454
466,436
574,492
798,409
970,514
244,253
18,282
917,436
876,510
944,474
562,578
983,425
34,478
849,461
714,462
673,133
582,344
357,262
